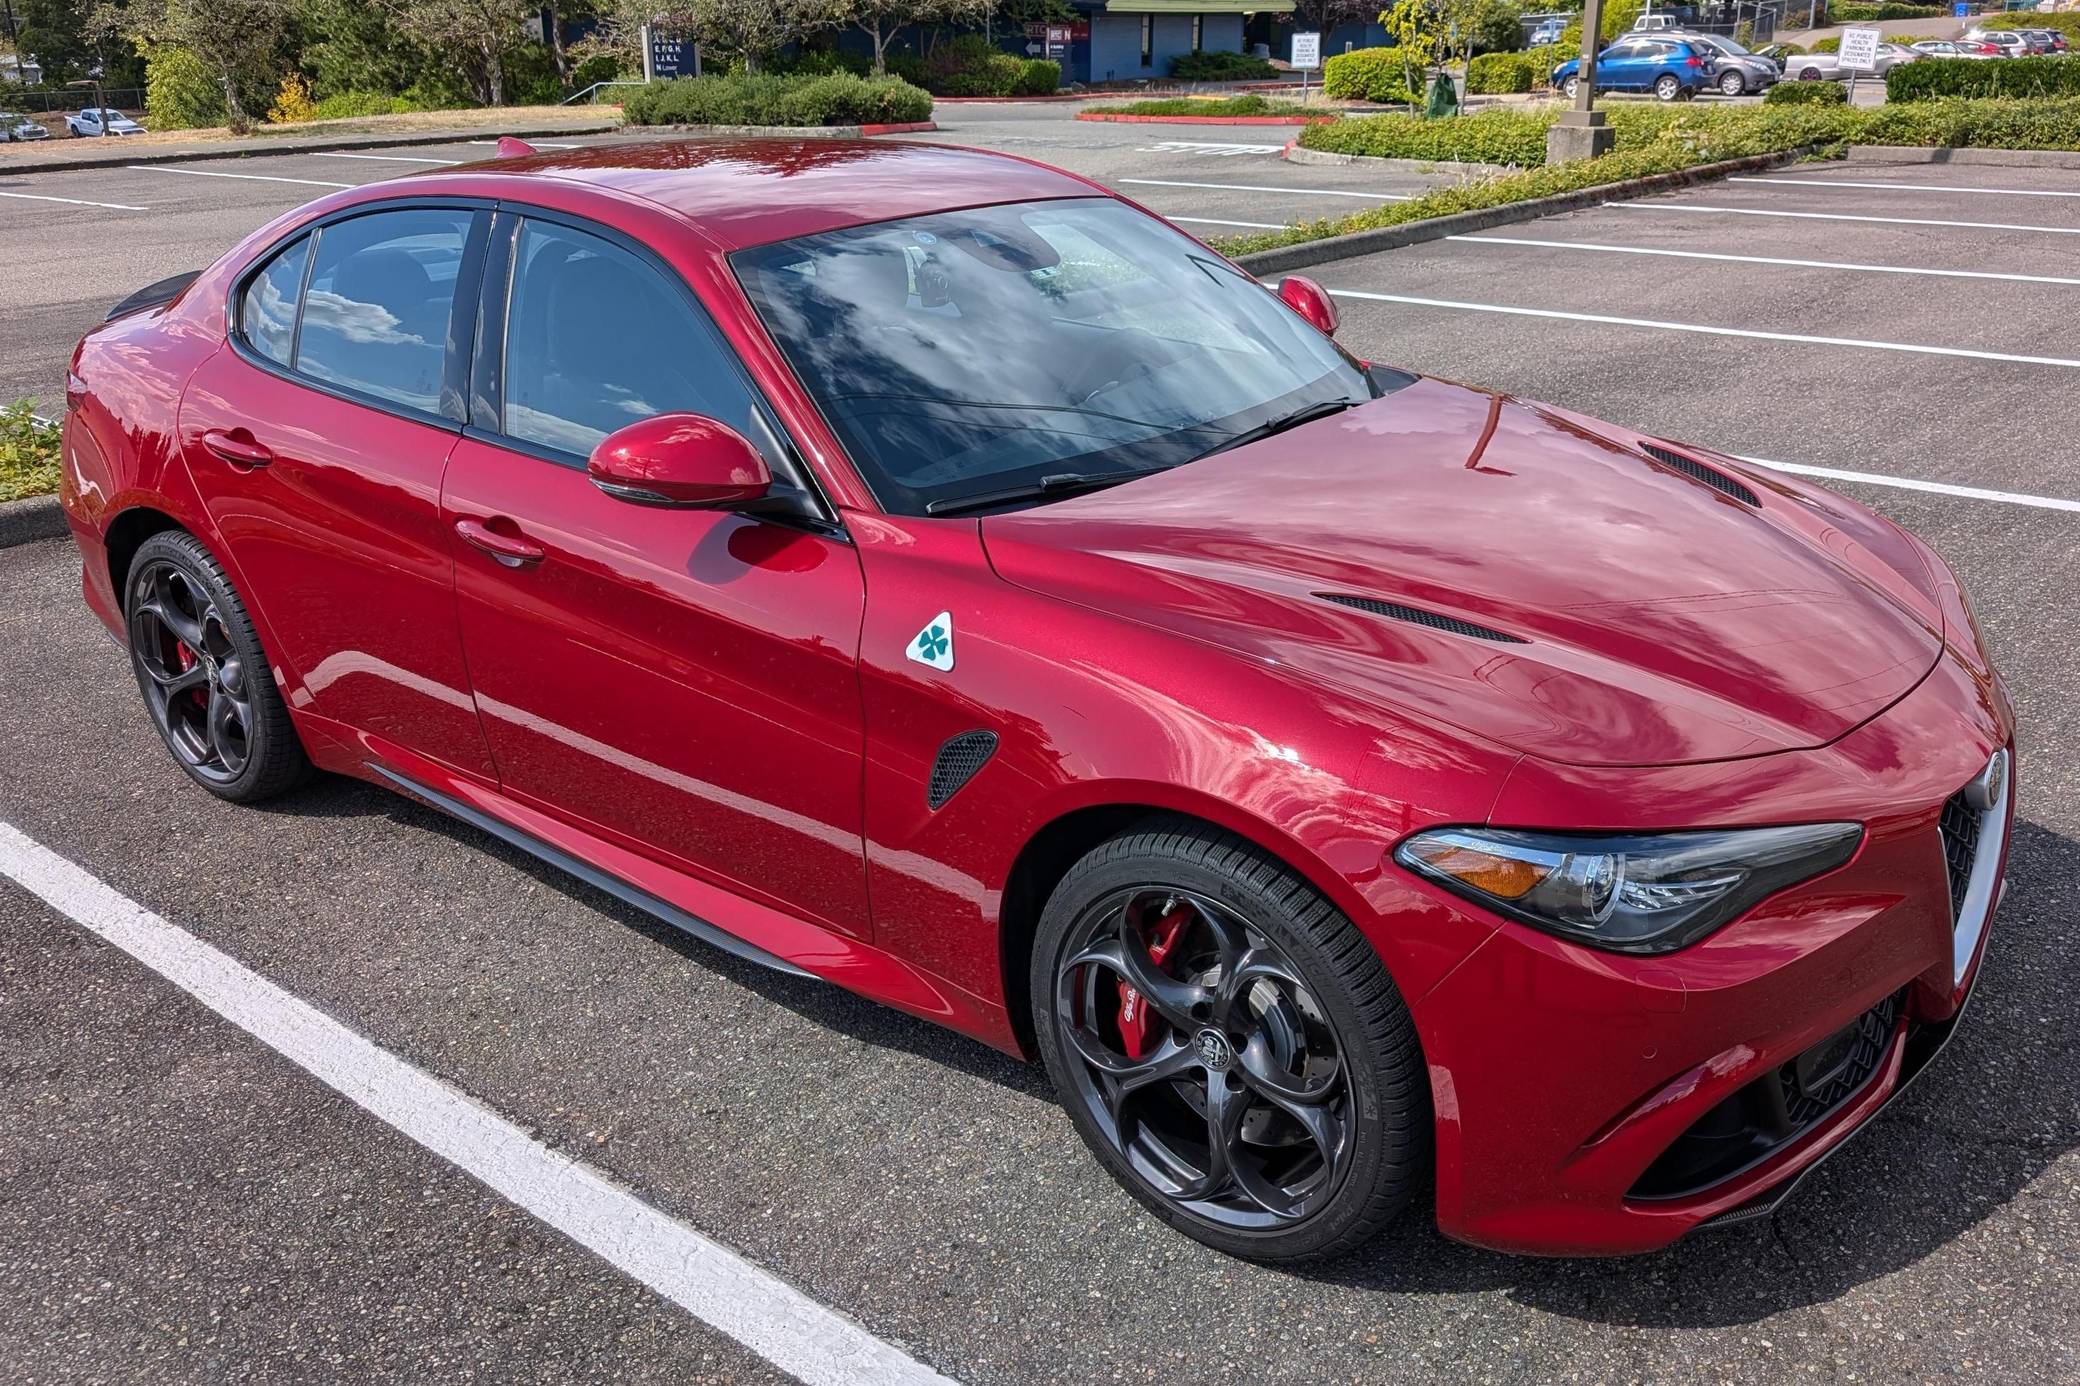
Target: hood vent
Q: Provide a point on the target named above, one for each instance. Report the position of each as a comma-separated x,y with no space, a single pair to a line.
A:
1691,467
1422,618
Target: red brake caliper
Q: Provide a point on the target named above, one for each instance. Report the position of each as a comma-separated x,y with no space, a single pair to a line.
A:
1133,1015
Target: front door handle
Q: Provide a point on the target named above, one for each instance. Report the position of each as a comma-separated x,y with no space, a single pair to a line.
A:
241,452
512,551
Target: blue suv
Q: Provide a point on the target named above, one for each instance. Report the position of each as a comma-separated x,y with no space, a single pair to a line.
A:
1671,68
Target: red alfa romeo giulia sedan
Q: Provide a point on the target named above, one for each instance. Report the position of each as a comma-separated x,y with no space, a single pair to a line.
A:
923,570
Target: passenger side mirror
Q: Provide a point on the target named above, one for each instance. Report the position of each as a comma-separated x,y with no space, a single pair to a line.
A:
680,459
1310,300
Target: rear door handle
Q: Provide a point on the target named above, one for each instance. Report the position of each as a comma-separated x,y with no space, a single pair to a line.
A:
243,453
507,549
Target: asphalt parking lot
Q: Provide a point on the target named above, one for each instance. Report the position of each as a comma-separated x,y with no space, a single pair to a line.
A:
178,1201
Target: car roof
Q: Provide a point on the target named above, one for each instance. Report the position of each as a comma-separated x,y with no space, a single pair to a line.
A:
751,192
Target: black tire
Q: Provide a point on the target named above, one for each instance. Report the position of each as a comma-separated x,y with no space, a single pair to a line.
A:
206,682
1336,1179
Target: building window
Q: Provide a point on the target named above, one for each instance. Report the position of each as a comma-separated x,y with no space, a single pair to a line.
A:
1198,32
1148,40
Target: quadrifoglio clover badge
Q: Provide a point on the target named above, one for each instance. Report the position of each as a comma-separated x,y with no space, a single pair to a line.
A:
934,644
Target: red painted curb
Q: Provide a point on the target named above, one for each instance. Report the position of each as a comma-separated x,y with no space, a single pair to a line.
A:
1008,100
1208,120
901,127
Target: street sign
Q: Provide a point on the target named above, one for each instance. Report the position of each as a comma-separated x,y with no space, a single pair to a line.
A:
670,56
1307,51
1860,50
1961,9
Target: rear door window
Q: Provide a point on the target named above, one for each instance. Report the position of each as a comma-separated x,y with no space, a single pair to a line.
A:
382,288
268,316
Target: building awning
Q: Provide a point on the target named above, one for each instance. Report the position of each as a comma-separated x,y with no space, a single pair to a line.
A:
1197,7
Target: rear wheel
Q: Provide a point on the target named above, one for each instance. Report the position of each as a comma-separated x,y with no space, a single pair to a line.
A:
1229,1046
1667,88
205,680
1809,74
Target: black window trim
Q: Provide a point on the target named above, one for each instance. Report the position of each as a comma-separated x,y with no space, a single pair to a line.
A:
462,308
485,390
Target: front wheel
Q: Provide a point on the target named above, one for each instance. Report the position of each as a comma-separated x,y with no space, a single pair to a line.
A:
1810,74
1667,88
205,680
1732,84
1229,1046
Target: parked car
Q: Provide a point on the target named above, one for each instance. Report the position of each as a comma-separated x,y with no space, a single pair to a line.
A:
915,568
1814,67
1962,48
1548,32
102,121
2011,42
1671,68
2049,41
1651,23
1737,72
15,127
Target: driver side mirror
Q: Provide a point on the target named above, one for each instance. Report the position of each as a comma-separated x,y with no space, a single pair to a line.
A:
686,460
1311,301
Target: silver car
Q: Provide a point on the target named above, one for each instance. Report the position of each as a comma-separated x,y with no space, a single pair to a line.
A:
1815,67
1963,48
2011,42
1739,72
19,127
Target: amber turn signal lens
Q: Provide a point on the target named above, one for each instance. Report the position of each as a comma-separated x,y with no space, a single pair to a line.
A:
1502,877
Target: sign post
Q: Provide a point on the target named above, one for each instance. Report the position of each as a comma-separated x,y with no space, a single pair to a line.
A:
1307,56
1859,54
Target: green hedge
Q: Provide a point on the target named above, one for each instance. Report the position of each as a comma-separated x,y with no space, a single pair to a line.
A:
1879,14
347,104
1249,105
1807,94
1826,45
1221,67
28,453
971,65
768,99
1932,78
1492,74
1368,74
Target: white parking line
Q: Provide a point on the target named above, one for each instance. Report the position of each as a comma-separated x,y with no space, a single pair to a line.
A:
390,158
764,1313
1834,216
248,177
1258,187
1710,331
1765,259
1216,221
1940,488
538,144
75,202
1219,147
1811,181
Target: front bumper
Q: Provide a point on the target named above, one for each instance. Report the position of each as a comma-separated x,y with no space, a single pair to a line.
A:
1593,1103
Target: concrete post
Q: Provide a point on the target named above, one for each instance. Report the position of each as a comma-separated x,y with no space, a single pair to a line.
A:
1581,133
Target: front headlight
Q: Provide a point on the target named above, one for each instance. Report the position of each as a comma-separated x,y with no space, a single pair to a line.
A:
1644,893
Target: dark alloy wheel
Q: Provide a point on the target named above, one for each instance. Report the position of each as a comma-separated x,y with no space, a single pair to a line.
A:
205,681
1229,1046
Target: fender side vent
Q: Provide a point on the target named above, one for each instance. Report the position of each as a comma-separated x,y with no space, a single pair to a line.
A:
1422,618
956,764
1691,467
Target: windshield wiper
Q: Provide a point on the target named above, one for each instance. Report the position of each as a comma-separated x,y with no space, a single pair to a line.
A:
1059,484
1307,413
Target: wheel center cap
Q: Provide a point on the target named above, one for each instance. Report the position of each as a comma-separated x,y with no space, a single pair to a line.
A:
1214,1050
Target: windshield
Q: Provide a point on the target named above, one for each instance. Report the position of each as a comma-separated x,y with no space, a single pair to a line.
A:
1727,46
968,353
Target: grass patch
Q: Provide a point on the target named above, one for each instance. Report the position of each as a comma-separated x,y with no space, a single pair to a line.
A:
1206,106
1652,139
28,454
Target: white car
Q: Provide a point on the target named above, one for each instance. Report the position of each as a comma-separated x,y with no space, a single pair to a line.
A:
1963,48
102,121
1814,67
2009,41
19,127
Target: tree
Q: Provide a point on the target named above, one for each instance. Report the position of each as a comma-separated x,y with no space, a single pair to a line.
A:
1321,16
880,19
237,42
482,32
755,29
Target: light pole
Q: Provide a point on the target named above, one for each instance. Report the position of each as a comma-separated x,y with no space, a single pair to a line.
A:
1580,132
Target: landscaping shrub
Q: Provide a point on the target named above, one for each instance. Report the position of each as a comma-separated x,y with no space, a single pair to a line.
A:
349,104
770,99
1250,105
1038,77
1983,124
28,454
1221,67
971,66
1369,74
292,104
1497,136
1544,60
1826,45
1496,73
1879,14
1933,78
1807,94
1791,50
179,93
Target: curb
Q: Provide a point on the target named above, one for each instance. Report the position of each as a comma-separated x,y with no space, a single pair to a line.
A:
163,155
1991,158
1208,120
799,132
26,521
1292,257
1294,154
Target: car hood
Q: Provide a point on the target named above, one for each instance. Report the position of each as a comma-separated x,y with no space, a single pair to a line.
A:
1647,617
